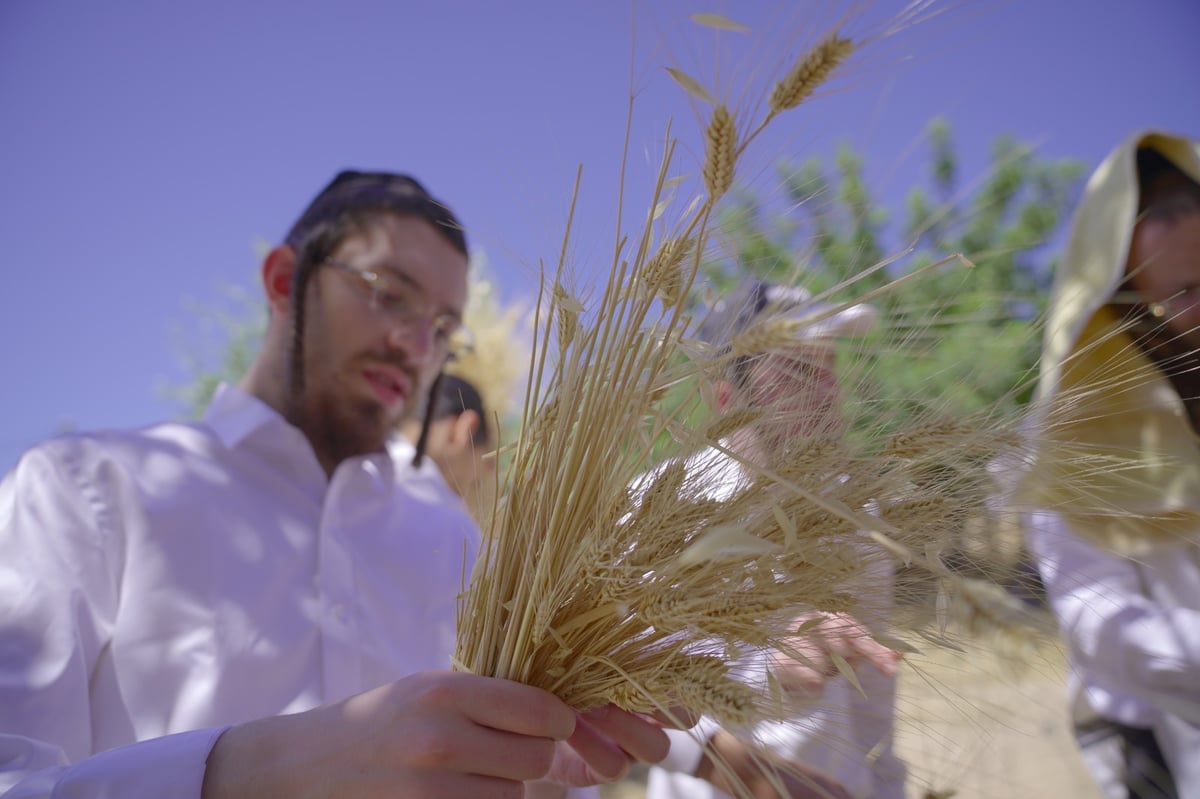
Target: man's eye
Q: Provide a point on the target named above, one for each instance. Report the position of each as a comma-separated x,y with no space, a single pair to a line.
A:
395,302
1170,208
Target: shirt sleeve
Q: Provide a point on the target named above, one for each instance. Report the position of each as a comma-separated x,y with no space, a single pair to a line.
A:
61,556
171,767
1124,642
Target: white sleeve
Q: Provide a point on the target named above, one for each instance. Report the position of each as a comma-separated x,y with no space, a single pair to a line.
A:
171,767
1123,641
61,556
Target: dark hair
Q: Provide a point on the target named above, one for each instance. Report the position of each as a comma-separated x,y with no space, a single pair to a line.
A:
352,197
1151,165
455,396
350,201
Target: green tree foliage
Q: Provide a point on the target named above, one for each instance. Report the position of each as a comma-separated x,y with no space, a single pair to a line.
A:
955,344
234,329
954,341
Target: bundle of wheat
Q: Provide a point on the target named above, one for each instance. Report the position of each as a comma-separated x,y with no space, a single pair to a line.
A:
611,578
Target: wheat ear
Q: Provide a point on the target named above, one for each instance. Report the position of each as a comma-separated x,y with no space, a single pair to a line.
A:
813,69
720,154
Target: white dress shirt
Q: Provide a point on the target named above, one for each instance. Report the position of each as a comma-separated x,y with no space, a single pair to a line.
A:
845,733
1132,629
1132,626
175,580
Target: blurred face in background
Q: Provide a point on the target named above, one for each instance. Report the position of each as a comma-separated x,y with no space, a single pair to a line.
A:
464,451
1164,255
462,455
798,391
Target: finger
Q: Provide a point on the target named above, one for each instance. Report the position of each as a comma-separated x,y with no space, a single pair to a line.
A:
801,649
588,758
844,638
819,663
462,746
513,707
800,680
881,657
642,739
509,756
676,717
605,758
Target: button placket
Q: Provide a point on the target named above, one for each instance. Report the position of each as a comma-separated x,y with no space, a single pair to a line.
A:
342,658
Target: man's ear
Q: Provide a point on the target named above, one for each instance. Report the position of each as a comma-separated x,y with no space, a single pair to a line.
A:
278,270
465,425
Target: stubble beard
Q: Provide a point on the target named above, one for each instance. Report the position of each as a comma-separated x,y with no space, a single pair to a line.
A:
337,424
340,427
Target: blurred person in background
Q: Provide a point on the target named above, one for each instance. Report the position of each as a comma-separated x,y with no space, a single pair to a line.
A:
1115,482
839,743
460,440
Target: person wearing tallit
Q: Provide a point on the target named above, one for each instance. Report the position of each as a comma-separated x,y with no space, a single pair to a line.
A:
1115,475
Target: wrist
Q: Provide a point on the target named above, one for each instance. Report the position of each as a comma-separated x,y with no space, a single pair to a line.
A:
240,762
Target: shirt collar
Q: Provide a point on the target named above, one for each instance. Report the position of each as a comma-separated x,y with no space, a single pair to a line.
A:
234,415
403,452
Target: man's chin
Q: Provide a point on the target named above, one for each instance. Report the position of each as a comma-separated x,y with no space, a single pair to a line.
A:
360,446
361,429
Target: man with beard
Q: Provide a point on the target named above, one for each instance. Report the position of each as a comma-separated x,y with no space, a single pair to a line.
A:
1116,477
262,603
840,742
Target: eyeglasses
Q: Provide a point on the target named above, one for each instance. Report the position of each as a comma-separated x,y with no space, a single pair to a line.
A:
399,305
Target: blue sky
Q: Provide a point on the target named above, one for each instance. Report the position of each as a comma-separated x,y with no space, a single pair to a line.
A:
145,146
